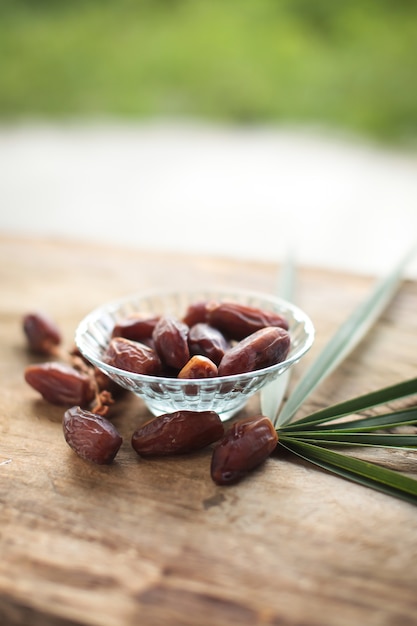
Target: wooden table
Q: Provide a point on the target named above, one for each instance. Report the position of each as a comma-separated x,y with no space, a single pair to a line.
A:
157,542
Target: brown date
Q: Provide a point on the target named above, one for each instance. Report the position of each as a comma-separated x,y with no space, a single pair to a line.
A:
237,321
136,327
42,334
177,433
91,436
171,342
133,356
196,312
60,383
244,447
208,341
263,348
198,367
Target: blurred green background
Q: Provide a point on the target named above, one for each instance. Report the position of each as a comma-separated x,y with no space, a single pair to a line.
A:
344,64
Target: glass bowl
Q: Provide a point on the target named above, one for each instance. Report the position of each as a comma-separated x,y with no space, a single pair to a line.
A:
224,394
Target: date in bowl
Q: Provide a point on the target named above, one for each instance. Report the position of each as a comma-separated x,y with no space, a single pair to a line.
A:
164,394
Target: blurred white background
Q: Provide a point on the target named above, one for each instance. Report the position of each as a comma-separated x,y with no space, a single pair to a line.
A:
225,191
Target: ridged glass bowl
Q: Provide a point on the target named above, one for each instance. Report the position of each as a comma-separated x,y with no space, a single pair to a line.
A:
224,394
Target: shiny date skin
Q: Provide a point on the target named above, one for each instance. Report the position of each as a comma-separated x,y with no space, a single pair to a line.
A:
198,367
91,436
196,312
133,356
208,341
246,445
180,432
263,348
237,321
136,327
60,384
42,334
170,337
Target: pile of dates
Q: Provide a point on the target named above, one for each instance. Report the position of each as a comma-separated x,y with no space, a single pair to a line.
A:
212,339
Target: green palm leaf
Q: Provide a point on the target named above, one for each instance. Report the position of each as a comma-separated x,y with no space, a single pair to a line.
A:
345,339
363,472
311,437
408,417
384,440
360,403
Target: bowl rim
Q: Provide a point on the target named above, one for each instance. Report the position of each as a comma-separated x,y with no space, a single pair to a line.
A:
112,306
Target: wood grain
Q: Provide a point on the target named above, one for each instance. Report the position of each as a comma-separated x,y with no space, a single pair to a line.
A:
155,542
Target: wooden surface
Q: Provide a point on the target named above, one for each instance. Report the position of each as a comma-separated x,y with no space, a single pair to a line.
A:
156,542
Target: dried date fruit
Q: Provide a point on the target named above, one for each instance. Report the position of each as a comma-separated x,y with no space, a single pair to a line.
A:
196,312
263,348
199,367
136,327
171,342
91,436
133,356
59,383
237,321
244,447
42,334
208,341
177,433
